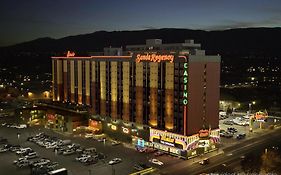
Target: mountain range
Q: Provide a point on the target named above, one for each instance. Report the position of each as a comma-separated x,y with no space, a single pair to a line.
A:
232,43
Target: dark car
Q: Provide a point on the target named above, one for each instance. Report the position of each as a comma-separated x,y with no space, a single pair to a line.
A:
232,130
227,134
241,136
140,166
204,161
91,161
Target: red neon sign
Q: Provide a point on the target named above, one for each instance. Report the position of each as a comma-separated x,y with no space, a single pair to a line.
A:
70,54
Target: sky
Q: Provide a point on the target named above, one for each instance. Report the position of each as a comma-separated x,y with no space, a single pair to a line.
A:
25,20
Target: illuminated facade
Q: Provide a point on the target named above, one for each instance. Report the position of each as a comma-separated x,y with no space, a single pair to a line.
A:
171,87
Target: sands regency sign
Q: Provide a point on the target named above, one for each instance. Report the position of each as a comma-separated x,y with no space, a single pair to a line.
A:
154,58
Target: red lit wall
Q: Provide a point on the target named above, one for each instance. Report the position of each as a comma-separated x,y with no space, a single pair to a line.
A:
195,100
213,94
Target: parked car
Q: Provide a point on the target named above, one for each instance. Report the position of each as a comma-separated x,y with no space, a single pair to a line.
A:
114,161
68,152
14,148
23,150
90,161
232,130
241,136
2,150
40,162
89,135
21,126
52,165
156,161
22,164
31,155
140,166
83,156
227,135
114,143
90,150
19,160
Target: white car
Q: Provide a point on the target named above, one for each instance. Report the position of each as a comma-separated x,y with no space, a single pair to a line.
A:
114,143
2,150
156,161
115,161
83,156
19,160
22,126
89,136
31,155
23,163
68,152
23,150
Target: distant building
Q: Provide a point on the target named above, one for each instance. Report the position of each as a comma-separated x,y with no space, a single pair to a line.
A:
164,96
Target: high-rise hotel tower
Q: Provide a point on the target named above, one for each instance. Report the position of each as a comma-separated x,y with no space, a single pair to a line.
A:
167,87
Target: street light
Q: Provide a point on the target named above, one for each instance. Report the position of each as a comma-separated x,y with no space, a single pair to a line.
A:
250,107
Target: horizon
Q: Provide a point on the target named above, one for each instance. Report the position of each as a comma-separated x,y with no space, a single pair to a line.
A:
25,21
54,38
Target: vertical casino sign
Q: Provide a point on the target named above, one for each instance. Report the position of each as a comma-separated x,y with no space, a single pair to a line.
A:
185,84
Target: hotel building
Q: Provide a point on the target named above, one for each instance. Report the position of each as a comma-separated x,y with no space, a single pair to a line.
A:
164,96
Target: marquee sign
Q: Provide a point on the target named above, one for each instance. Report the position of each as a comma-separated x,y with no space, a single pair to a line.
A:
154,58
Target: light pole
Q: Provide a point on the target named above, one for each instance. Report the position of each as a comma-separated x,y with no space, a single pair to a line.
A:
250,108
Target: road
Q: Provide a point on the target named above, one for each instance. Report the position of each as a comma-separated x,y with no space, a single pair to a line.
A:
231,154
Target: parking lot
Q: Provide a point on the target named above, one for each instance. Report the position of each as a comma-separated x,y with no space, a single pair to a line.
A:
227,122
128,155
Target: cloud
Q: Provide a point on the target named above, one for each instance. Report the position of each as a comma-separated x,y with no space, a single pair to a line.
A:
273,21
147,27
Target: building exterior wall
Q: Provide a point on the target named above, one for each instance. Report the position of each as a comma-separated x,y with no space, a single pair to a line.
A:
195,100
153,85
103,88
79,76
53,80
113,83
179,95
59,81
139,93
126,91
72,82
87,83
213,94
65,80
169,96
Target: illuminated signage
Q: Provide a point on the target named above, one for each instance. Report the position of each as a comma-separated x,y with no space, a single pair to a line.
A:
70,54
126,130
166,139
140,142
167,143
113,127
203,143
185,83
203,133
154,58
